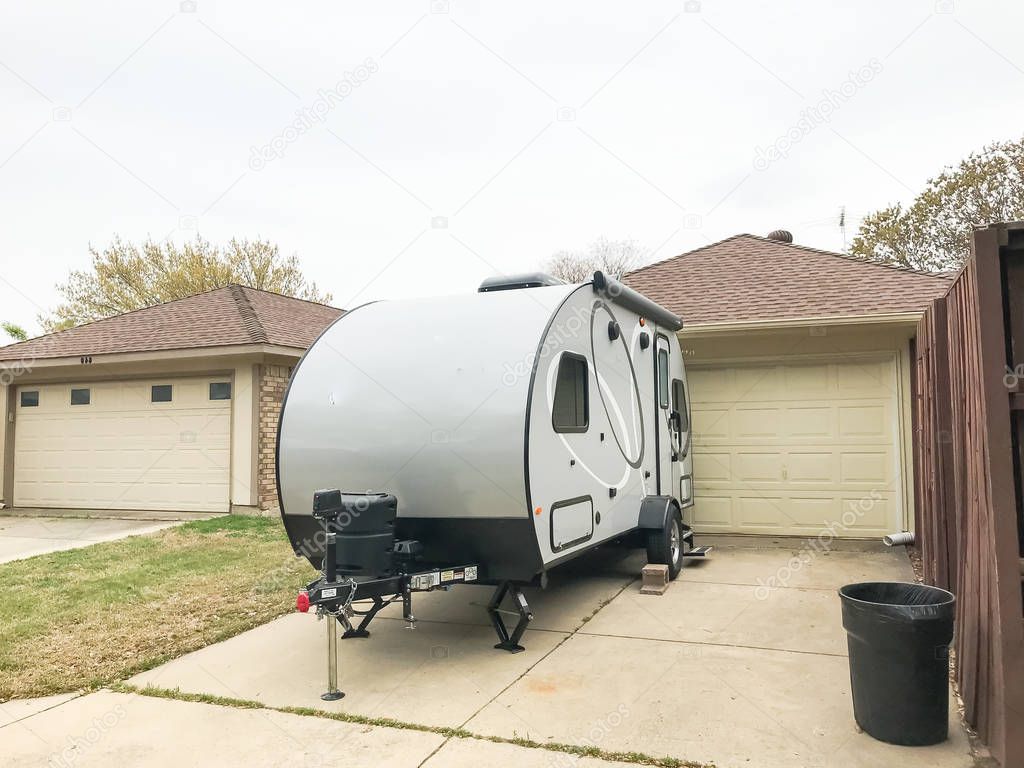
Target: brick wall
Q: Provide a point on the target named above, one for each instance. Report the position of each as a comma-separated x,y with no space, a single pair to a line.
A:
273,380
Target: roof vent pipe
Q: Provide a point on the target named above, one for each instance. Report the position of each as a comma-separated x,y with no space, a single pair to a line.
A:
782,235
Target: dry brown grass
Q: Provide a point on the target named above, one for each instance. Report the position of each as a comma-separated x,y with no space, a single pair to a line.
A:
92,616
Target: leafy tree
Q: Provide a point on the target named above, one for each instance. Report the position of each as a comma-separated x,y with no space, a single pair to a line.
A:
125,276
613,257
933,232
14,330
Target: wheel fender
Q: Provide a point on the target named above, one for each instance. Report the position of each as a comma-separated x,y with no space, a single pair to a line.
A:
654,512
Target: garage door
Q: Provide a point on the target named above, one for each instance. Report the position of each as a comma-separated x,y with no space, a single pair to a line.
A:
797,449
124,445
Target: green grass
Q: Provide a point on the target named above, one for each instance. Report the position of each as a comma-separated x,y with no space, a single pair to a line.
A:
637,758
88,617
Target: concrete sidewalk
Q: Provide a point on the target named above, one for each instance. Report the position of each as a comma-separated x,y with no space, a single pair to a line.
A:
22,537
722,669
27,532
115,729
152,515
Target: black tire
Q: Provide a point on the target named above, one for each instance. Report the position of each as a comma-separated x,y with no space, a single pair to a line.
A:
660,550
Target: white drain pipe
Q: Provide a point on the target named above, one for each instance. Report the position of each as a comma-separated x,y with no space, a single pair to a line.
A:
896,539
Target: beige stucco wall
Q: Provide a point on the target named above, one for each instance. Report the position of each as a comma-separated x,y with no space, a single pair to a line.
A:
243,434
242,367
6,395
819,343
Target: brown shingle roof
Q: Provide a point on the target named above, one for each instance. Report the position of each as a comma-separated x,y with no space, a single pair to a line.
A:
222,317
749,278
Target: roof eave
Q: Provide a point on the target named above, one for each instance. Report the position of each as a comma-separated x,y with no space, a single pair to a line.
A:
730,326
28,363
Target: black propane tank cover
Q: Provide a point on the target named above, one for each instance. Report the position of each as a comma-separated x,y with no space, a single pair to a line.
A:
326,503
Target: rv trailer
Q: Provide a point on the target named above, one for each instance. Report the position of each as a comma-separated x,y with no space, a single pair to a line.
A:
483,438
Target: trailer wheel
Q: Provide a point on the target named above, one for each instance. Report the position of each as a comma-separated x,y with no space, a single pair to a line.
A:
665,546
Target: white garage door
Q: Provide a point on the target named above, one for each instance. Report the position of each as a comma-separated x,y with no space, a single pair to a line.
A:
797,449
123,445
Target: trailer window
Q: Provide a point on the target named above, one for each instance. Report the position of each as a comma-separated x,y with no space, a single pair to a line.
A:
663,378
571,409
679,404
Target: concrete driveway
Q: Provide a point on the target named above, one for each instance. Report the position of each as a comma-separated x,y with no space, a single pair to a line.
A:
742,663
27,533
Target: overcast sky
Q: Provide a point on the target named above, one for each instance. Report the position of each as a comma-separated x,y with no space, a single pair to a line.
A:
419,150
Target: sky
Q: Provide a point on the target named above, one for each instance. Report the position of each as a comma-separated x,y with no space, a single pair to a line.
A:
417,148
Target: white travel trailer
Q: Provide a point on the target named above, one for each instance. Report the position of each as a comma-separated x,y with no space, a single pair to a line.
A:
485,437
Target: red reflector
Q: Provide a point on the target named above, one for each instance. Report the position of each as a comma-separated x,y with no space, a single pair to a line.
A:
302,602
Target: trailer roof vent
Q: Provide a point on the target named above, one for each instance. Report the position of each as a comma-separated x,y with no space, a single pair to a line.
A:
514,282
782,235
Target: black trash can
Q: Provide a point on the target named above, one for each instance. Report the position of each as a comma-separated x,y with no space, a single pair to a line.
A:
898,636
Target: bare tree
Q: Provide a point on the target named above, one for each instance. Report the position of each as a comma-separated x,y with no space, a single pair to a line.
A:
613,257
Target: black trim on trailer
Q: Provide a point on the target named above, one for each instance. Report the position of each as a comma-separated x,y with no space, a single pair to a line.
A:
569,503
635,464
577,552
657,410
624,296
280,419
677,395
505,547
529,402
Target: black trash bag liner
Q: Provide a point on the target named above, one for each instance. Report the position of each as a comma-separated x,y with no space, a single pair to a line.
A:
898,636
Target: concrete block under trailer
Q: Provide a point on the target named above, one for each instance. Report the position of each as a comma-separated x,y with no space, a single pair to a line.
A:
486,437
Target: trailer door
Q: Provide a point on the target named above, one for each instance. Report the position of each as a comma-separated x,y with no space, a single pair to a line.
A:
662,412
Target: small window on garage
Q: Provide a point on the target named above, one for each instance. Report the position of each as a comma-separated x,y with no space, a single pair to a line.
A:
220,390
663,378
679,403
29,398
570,412
79,396
160,393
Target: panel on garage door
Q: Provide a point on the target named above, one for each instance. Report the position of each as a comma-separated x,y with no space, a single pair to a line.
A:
122,451
796,449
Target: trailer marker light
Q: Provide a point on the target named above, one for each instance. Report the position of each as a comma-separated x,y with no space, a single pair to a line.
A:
643,321
302,602
537,511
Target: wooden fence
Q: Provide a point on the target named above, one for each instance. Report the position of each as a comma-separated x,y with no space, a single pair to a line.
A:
969,450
